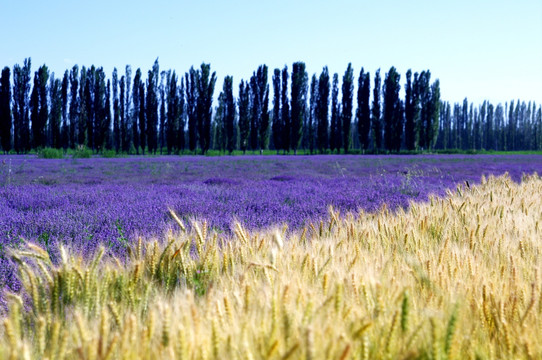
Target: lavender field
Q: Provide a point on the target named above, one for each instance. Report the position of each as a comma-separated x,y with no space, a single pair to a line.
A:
87,202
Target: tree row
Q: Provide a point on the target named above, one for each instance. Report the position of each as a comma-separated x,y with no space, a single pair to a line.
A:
166,112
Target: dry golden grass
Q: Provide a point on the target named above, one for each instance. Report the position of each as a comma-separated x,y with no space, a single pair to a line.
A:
455,278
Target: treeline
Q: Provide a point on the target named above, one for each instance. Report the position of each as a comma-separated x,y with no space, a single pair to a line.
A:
174,113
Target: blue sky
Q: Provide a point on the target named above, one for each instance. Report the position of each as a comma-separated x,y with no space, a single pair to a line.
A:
478,49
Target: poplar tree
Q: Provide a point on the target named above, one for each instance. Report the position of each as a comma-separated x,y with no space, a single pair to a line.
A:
363,112
108,120
285,112
299,102
335,138
181,116
40,107
34,111
244,116
254,104
135,114
312,112
151,108
162,127
116,112
128,132
5,110
21,89
102,114
64,133
219,128
277,121
74,105
100,118
375,112
347,98
142,118
410,103
424,92
489,133
204,105
434,114
322,110
263,128
172,118
229,113
393,111
82,109
191,84
55,116
90,106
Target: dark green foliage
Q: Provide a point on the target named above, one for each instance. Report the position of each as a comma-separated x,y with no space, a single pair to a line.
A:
229,113
102,115
277,121
126,125
244,115
151,108
55,116
254,113
259,113
5,110
39,107
74,105
21,119
489,135
346,113
191,78
430,111
137,109
417,110
82,152
511,138
122,115
107,121
172,118
219,129
335,138
410,106
299,102
162,127
263,136
90,107
434,114
285,112
376,121
82,106
424,96
181,116
467,126
393,111
64,132
447,135
50,153
204,105
312,112
80,110
142,121
363,112
116,112
34,111
322,111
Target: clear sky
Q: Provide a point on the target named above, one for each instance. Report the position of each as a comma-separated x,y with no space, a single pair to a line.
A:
479,49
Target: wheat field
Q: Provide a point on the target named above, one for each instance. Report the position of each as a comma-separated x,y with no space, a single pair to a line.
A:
454,278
